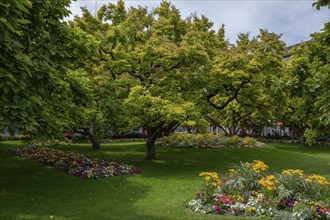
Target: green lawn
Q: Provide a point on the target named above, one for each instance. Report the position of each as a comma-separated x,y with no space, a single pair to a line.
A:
31,190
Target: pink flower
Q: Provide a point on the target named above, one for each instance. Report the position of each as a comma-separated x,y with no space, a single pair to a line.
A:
284,202
198,195
217,208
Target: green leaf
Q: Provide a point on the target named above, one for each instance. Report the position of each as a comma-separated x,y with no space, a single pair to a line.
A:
36,99
23,21
5,22
27,3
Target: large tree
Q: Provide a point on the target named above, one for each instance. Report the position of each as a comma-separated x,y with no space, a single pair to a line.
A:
37,51
157,52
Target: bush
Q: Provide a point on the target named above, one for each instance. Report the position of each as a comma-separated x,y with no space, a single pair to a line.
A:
208,140
248,190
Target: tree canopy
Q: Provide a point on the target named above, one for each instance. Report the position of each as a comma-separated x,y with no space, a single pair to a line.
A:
134,67
38,92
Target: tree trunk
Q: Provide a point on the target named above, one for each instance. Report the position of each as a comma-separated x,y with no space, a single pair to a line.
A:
151,149
153,134
96,144
91,131
302,140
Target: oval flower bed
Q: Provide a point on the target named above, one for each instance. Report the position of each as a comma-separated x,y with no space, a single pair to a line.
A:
249,191
74,163
208,140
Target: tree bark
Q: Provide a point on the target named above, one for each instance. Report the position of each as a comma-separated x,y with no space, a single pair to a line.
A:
96,144
91,132
153,133
151,149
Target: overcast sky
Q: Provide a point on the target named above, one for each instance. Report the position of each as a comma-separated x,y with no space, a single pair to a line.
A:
295,19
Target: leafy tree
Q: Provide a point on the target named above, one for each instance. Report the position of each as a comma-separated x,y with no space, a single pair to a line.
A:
157,52
308,73
108,87
242,88
37,52
321,3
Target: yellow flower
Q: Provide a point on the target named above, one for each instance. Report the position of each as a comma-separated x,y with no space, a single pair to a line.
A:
211,177
317,179
252,209
216,183
259,166
290,172
238,198
269,182
211,174
232,171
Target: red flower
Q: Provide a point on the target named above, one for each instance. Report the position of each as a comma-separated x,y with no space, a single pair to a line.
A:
217,208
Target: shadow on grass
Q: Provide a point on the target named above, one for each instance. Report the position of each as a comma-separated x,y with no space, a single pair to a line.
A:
31,190
187,163
316,149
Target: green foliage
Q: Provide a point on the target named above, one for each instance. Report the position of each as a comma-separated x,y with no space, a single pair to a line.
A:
241,88
308,82
208,140
157,51
37,52
321,3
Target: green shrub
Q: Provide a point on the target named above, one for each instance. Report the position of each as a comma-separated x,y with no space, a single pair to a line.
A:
208,140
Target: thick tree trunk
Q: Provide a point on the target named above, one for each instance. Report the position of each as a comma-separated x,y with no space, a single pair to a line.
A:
153,134
96,144
151,149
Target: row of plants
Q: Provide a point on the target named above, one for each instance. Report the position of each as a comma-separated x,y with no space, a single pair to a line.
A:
208,140
14,137
74,163
123,140
248,190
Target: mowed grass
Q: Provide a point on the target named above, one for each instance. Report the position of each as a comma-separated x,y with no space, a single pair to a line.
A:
31,190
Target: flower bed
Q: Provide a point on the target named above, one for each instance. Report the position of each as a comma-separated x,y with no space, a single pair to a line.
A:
208,140
249,191
75,164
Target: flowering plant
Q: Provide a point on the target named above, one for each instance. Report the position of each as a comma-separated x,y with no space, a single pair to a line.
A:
248,190
75,164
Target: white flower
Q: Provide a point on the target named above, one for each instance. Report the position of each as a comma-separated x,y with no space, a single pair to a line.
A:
192,202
